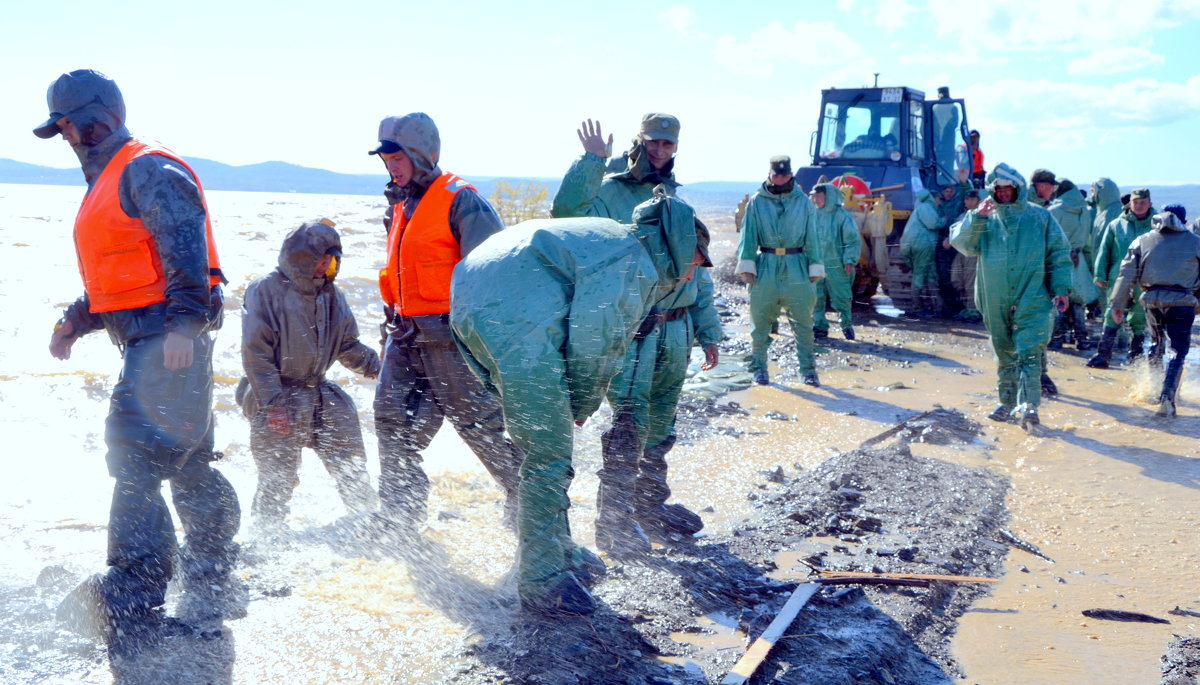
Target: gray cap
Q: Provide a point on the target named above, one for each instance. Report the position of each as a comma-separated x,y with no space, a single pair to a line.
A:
781,164
658,126
79,90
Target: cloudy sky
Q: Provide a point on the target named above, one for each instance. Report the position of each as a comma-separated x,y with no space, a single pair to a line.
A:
1085,88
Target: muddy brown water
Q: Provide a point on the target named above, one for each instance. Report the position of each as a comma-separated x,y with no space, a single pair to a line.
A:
1107,490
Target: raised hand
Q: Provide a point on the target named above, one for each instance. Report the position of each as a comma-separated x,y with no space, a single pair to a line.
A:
592,139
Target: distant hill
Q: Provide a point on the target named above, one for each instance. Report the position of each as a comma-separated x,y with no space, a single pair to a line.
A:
282,177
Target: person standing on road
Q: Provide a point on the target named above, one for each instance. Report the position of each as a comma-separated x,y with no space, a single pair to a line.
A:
152,280
544,312
1114,244
1069,209
1165,264
952,207
978,173
917,246
841,247
435,219
296,324
632,504
1023,274
779,258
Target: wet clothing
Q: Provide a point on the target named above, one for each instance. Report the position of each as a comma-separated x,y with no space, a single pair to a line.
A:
944,254
1114,245
1104,201
1024,262
645,394
544,312
918,243
160,425
781,222
294,327
841,244
1070,210
424,379
587,191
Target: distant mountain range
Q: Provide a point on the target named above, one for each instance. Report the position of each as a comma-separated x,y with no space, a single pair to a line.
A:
282,177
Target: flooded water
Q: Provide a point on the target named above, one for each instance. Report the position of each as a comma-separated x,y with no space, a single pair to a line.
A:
1107,490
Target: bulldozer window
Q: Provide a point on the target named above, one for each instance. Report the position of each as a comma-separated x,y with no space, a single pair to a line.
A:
860,130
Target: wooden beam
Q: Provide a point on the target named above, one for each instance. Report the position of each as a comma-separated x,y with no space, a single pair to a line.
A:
753,658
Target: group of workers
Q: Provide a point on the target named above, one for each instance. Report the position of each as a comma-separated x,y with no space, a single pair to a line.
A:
1051,247
514,335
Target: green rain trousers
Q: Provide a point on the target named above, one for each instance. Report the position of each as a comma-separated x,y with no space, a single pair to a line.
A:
783,221
1024,262
544,312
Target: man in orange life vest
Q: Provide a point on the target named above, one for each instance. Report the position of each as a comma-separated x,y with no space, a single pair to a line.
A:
152,281
435,219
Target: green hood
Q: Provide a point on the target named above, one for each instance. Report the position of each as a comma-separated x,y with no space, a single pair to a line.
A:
1005,172
833,197
667,229
925,195
1105,192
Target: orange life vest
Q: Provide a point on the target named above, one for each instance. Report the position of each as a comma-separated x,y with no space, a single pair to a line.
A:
977,161
422,252
118,257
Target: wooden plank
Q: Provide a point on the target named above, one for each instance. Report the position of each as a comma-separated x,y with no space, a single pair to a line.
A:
753,658
895,576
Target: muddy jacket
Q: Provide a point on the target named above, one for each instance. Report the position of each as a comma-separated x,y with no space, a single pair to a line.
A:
951,210
167,199
296,326
841,243
1114,243
921,229
586,191
780,221
1166,264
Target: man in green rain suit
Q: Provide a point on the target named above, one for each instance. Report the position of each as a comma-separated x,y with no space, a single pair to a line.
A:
779,257
841,246
1114,243
544,312
632,504
1023,274
918,245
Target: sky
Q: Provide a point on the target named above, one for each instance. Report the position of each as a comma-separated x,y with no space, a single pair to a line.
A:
1086,88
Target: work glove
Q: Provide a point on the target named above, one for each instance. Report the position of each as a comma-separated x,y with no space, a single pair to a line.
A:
279,421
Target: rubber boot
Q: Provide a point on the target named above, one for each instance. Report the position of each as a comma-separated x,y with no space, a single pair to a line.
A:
1049,389
567,598
1137,346
1104,349
1170,387
1060,333
666,523
616,530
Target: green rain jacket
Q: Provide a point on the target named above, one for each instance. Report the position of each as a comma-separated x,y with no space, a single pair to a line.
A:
1114,243
780,221
840,241
1105,202
1024,257
1069,209
920,235
586,191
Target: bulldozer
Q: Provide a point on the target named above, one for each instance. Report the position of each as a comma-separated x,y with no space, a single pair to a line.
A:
881,146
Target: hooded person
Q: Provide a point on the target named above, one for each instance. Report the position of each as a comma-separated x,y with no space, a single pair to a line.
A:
918,245
1022,275
1165,264
434,220
951,209
1070,210
152,281
1120,233
295,325
779,258
544,313
1104,202
645,395
841,247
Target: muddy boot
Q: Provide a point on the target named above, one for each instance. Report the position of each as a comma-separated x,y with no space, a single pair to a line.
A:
1137,346
1049,389
1104,349
811,380
820,333
586,566
1001,413
1060,333
665,523
616,530
761,377
567,598
1029,419
216,598
1166,407
848,333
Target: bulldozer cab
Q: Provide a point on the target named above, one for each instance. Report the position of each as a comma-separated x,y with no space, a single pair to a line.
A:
890,137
